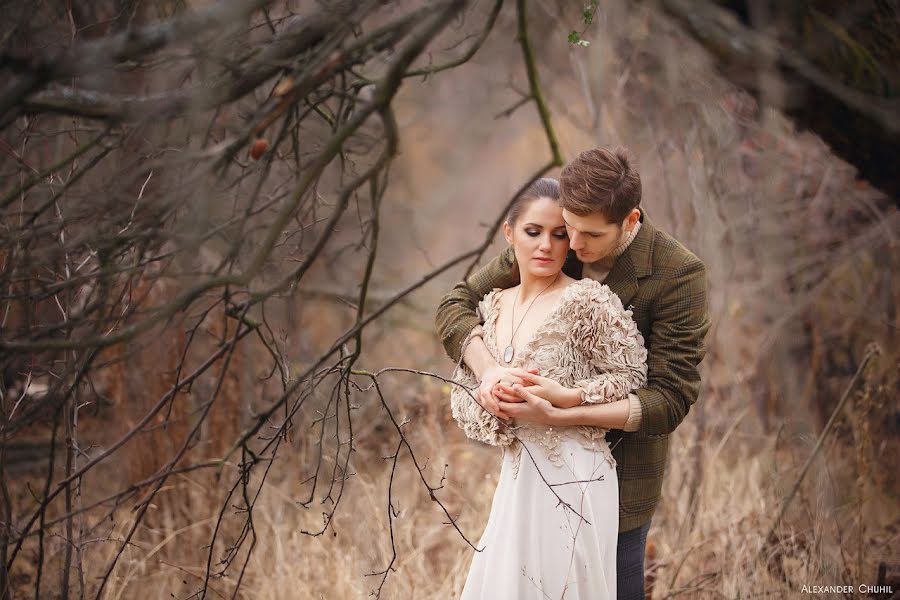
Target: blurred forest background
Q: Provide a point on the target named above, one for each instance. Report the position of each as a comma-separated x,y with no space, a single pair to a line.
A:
226,226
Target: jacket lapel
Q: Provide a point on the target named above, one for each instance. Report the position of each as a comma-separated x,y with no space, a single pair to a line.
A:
622,279
635,263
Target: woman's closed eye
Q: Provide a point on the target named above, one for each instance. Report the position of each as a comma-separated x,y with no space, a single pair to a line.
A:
537,232
560,235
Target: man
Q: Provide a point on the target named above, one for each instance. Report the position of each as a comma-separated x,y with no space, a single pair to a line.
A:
664,285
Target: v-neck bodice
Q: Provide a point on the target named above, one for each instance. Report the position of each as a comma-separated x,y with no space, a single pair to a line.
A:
490,309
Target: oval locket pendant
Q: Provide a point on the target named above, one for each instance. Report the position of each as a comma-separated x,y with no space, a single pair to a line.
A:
508,354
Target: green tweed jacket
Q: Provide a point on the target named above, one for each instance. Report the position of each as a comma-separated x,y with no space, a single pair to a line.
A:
664,284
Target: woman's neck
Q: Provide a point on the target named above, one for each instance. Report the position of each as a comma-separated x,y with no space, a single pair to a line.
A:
531,286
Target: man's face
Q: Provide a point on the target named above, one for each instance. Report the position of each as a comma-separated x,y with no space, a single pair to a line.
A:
592,237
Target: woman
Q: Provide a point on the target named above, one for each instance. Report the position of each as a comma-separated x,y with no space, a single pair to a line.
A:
554,519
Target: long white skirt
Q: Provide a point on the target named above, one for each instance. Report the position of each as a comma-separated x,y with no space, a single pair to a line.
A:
536,548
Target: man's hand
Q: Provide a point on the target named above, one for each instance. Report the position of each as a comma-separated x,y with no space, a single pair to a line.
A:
556,394
490,383
489,373
530,408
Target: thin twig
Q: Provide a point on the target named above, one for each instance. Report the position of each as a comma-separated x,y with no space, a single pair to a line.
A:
872,351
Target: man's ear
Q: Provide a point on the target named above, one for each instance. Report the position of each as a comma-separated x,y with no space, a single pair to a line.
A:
633,217
507,233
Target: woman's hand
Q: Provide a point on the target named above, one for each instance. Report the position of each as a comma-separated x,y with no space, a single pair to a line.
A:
490,380
530,408
556,394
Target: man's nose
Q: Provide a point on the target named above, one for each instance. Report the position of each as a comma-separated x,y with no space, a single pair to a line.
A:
576,241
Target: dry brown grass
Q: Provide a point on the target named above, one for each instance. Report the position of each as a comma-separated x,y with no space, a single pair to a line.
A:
706,545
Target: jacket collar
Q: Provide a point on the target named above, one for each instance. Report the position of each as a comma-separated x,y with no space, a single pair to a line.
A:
636,262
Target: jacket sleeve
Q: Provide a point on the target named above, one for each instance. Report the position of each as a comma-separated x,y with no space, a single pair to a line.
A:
609,340
456,314
676,347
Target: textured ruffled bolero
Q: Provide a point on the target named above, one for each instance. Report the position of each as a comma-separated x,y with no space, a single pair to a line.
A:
588,341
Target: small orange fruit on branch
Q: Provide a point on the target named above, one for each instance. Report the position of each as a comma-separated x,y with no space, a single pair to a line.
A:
258,148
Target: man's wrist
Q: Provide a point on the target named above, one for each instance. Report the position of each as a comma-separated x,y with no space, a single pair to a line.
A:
633,422
556,417
476,355
564,417
482,366
607,416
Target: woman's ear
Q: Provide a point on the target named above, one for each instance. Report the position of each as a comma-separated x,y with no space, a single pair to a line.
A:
507,233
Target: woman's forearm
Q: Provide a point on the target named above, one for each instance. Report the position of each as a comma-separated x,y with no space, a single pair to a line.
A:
611,415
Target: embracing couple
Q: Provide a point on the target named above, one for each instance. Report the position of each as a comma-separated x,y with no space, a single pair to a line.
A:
581,392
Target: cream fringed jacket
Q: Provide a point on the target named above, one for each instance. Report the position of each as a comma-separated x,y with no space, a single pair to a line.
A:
588,341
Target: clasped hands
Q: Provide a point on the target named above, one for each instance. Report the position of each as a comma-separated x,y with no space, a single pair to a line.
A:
524,395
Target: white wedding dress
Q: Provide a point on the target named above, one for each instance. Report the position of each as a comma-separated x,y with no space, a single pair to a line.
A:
553,525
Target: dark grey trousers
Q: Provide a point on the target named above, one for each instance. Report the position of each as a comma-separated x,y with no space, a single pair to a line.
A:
630,563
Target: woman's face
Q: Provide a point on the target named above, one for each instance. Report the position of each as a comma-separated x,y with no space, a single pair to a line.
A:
539,238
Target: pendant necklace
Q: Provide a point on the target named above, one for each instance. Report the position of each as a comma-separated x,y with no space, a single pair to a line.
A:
509,352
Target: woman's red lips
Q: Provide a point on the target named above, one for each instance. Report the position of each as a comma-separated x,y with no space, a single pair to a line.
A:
545,260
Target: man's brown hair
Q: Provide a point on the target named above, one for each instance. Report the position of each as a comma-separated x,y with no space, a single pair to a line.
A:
603,181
